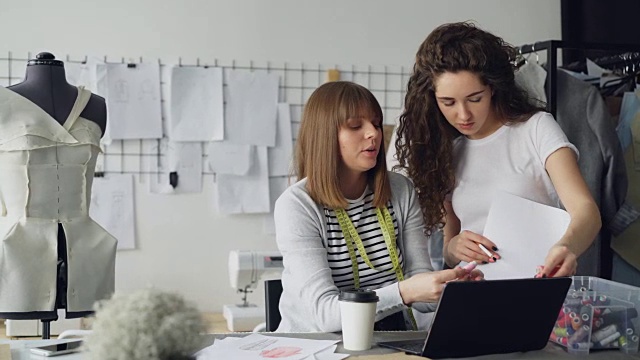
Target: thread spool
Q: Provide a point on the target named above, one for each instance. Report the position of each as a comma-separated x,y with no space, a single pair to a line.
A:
560,331
576,323
619,316
609,339
573,302
558,339
602,300
585,312
564,321
597,323
573,314
622,341
581,346
603,333
597,311
580,334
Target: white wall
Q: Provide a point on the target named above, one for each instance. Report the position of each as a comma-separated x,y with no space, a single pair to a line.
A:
182,242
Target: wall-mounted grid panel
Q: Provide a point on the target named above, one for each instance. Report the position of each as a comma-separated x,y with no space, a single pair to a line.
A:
297,82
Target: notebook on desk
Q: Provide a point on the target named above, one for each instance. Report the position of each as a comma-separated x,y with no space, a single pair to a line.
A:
490,317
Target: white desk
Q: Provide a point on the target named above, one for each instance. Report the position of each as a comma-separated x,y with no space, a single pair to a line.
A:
20,348
551,351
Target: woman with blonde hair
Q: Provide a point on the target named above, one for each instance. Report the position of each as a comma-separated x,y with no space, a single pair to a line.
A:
348,223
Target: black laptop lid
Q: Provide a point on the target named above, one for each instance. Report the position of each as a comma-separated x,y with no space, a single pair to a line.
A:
495,316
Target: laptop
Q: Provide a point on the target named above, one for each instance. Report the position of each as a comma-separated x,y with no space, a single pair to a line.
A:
490,317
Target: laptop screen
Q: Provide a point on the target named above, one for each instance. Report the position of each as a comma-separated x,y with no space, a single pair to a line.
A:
494,316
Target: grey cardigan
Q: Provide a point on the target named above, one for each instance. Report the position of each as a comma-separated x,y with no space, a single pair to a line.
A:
583,115
309,301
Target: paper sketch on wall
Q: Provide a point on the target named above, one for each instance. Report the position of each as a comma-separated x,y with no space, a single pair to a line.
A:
196,111
230,159
252,99
133,100
280,154
178,170
246,194
277,185
112,207
84,74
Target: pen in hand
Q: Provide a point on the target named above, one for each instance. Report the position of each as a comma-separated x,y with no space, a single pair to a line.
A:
486,251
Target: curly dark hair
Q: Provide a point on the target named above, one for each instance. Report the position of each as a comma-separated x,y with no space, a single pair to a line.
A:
424,144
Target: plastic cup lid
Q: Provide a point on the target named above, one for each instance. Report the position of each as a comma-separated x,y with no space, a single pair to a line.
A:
358,295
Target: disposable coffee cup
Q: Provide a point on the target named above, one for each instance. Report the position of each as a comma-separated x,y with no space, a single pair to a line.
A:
358,312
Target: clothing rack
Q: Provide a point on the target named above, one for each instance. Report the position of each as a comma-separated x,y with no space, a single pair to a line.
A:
552,46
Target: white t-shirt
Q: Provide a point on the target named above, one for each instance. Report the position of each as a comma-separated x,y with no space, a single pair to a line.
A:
511,160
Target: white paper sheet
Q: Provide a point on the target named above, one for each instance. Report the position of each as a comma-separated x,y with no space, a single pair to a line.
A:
524,231
246,194
277,185
196,104
133,101
83,74
251,111
230,159
256,346
280,156
183,158
112,207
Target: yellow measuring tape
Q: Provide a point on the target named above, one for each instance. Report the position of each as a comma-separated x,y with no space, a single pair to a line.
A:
352,237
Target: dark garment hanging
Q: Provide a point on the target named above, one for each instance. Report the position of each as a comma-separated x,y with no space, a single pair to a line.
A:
584,117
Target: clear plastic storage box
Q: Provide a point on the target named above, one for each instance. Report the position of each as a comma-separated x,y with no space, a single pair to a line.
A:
598,314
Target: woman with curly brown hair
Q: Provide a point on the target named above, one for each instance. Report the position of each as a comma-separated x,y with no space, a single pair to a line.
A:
468,131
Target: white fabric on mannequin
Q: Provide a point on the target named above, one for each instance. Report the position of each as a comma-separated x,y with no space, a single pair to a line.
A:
46,173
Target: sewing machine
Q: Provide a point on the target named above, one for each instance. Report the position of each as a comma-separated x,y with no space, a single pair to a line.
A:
246,269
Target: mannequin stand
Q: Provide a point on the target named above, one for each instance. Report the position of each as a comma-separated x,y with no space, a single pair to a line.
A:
46,329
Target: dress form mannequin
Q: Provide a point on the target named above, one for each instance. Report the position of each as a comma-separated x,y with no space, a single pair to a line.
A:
45,86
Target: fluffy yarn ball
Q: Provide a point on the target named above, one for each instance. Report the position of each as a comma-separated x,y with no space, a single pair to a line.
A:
145,325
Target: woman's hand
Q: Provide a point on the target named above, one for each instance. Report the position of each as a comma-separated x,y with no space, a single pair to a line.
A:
560,261
472,274
466,247
428,286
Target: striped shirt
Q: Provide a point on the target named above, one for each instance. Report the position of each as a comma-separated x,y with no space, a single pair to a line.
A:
363,216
